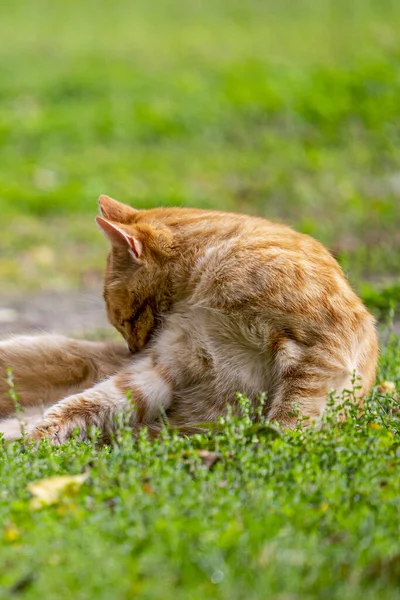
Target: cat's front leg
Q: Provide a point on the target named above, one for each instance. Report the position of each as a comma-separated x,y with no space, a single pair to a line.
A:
96,407
140,391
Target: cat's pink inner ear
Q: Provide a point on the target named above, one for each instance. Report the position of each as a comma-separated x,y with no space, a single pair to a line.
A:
114,210
135,246
120,238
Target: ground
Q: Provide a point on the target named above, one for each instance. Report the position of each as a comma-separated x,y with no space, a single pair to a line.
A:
287,111
72,312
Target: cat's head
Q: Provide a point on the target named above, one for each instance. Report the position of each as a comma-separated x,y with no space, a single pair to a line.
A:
135,287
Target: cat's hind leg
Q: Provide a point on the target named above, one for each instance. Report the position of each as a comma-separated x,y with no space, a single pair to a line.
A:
303,381
45,368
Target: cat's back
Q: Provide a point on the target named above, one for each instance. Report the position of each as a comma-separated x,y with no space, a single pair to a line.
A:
267,277
250,265
257,256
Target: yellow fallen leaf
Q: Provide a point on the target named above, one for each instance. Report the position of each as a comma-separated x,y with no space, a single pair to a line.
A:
387,387
52,489
324,507
373,425
11,533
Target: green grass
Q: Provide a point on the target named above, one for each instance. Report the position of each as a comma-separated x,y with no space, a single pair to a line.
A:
303,514
288,112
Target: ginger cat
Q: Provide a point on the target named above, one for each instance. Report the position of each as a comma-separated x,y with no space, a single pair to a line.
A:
209,304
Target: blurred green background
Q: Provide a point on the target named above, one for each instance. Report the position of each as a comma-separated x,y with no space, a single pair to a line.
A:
290,110
285,109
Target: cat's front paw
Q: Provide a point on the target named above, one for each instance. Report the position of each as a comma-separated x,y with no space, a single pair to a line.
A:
46,429
58,429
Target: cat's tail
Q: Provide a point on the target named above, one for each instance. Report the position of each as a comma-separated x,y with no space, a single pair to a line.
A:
14,428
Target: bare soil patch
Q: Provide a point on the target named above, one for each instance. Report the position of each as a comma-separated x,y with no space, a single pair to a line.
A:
73,312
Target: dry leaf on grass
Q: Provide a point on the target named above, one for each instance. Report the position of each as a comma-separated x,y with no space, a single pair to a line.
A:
52,489
387,387
209,458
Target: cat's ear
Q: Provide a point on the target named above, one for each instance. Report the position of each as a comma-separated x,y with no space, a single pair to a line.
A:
120,238
115,211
